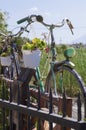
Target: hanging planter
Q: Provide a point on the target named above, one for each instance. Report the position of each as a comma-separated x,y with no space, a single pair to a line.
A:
32,52
5,57
31,58
5,61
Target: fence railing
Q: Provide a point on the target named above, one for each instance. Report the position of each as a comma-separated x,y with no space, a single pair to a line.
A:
21,112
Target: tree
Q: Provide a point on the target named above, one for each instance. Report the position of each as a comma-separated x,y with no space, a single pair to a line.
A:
3,24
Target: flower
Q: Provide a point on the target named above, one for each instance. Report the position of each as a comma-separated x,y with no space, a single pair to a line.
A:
36,43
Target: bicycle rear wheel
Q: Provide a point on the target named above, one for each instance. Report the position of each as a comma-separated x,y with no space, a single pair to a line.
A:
68,81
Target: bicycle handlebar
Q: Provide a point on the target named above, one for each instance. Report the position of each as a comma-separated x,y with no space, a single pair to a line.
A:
29,19
22,29
22,20
39,18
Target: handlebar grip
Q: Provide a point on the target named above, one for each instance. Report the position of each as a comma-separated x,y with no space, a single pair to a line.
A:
22,20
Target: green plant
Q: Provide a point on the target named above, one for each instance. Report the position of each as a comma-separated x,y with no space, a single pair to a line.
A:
36,43
6,53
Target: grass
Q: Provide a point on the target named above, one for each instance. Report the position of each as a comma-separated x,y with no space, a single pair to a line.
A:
79,60
80,65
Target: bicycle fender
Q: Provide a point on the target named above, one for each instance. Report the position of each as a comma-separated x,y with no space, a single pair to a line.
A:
67,63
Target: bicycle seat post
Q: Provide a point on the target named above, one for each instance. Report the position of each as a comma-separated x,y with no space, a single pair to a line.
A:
52,43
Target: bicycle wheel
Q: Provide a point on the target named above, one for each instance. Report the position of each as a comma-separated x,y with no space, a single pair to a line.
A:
68,81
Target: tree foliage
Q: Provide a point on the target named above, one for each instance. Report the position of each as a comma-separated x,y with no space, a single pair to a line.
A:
3,23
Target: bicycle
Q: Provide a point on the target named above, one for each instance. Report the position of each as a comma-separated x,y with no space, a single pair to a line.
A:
13,67
14,75
62,67
62,77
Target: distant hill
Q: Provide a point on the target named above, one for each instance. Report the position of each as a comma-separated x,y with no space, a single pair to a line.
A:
81,39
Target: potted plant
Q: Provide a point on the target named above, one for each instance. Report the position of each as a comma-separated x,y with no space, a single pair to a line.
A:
5,58
32,52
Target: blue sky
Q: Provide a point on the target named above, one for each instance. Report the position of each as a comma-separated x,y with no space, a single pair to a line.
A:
53,11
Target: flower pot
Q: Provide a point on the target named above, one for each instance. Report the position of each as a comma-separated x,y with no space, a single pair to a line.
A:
31,58
5,61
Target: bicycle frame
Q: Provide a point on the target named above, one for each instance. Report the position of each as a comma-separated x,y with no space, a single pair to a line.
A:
52,62
38,75
53,49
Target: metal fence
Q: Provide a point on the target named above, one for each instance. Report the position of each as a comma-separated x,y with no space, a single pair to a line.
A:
24,108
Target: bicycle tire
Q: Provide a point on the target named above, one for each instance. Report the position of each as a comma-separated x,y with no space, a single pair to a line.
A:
72,84
64,70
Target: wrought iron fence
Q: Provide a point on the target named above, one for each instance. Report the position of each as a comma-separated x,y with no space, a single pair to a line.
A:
24,108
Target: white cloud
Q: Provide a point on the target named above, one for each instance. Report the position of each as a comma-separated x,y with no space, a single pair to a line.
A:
47,13
33,9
